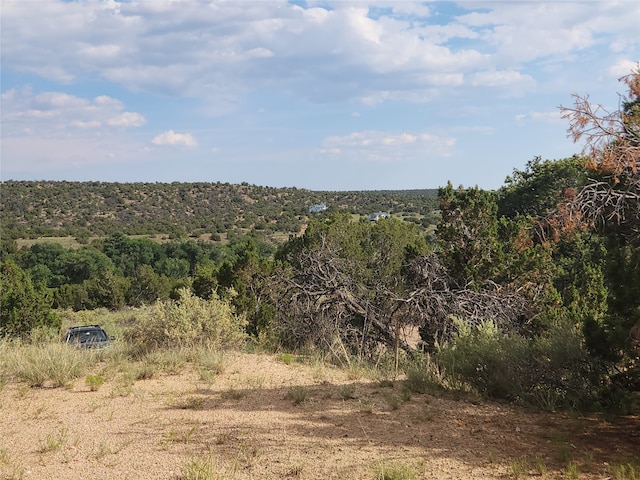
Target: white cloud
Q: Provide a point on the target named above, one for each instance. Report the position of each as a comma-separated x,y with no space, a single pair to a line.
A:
52,130
623,67
52,113
127,119
207,48
388,147
172,138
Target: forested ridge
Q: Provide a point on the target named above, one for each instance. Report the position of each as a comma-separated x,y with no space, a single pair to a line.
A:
529,293
32,209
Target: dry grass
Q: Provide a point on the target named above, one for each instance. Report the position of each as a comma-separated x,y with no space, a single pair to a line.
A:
261,417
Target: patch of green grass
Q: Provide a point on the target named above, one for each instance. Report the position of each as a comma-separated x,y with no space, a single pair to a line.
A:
366,406
572,471
184,436
419,380
144,369
392,400
406,394
53,442
207,376
520,467
104,449
124,384
234,393
347,392
4,456
171,361
206,468
538,465
191,402
297,394
9,470
394,471
286,358
209,359
94,382
625,471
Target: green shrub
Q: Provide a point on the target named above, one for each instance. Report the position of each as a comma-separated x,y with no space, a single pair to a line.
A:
423,376
347,392
189,321
297,394
547,371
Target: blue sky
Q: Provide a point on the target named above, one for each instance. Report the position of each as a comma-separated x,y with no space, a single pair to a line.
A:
337,95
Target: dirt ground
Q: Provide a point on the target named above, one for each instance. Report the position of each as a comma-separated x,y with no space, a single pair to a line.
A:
264,419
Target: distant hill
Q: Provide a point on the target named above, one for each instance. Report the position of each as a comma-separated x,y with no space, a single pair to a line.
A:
33,209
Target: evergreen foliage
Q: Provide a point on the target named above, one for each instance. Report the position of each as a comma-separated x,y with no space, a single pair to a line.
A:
23,306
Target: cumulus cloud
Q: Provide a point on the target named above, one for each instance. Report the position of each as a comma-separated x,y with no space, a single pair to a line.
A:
172,138
351,50
127,119
388,147
47,130
623,67
53,113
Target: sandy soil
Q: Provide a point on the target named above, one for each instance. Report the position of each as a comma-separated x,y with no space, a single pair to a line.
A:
246,425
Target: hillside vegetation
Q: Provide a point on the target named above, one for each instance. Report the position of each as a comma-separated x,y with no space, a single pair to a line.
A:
33,209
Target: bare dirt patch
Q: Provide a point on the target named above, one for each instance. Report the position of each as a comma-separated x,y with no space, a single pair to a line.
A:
264,419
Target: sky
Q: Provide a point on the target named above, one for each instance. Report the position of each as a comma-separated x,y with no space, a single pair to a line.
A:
322,95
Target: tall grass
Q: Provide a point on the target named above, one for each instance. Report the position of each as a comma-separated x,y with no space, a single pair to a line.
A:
48,364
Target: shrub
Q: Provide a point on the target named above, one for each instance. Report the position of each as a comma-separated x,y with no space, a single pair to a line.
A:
297,394
423,376
548,371
187,322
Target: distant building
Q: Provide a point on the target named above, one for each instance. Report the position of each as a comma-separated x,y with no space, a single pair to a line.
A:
374,217
317,208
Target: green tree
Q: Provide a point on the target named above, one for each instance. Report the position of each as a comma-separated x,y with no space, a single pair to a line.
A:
83,264
537,190
22,307
127,254
45,254
146,287
107,290
468,234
